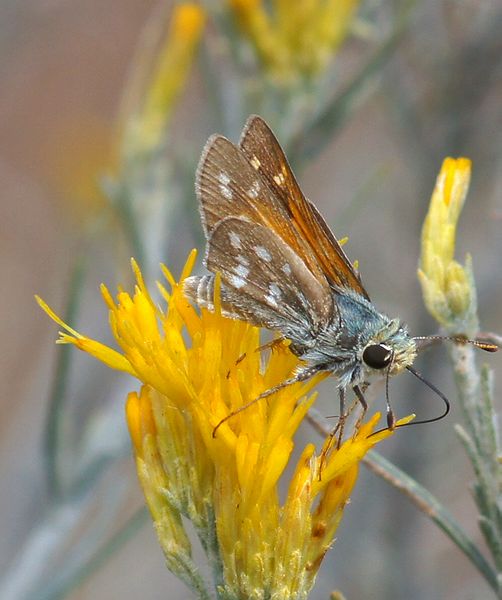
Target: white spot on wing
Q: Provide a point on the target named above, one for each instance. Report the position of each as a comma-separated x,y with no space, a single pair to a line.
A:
255,163
242,271
275,290
263,253
226,192
286,269
243,260
224,180
236,281
254,190
271,301
274,295
280,179
235,240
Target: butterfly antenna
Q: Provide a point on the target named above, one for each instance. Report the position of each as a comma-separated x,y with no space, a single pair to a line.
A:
486,346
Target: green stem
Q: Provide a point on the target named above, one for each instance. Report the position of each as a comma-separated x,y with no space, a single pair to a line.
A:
57,396
481,442
124,205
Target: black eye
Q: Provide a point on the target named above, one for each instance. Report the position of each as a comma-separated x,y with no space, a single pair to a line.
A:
377,356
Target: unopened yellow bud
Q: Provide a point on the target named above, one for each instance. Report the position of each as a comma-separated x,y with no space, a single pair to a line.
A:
458,291
447,286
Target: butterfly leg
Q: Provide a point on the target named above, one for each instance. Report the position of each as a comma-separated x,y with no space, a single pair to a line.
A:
362,401
237,362
336,431
340,426
272,345
301,375
275,343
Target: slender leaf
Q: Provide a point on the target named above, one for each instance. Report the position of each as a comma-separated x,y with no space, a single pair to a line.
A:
57,397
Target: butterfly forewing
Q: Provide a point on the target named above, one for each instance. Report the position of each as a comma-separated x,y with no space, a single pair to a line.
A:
257,264
265,154
229,186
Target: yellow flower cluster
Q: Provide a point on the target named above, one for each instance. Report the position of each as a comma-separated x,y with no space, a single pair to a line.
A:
295,40
448,287
195,370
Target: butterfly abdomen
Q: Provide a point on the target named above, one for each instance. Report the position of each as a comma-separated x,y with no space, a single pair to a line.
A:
200,290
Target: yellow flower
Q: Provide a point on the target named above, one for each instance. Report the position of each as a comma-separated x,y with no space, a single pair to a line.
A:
297,38
195,369
447,286
152,111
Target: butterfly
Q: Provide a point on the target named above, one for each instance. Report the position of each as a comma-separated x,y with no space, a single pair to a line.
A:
283,269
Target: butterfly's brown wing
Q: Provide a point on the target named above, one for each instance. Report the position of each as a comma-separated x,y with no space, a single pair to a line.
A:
228,185
265,154
269,276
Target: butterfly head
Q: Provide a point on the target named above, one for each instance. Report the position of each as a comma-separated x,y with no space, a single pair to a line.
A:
389,351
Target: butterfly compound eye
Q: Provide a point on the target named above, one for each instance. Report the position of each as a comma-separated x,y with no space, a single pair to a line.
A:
377,356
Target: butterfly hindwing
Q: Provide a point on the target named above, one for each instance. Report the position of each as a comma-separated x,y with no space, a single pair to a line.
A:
258,265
